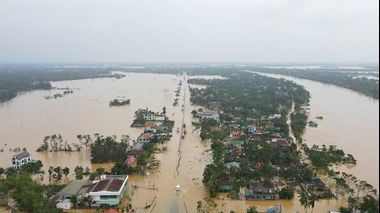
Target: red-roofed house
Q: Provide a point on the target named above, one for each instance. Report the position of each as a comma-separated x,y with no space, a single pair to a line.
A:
144,138
131,161
108,191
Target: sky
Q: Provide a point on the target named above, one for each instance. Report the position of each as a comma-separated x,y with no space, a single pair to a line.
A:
190,31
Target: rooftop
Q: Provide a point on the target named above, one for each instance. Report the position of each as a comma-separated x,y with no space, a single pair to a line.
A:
110,183
21,155
73,188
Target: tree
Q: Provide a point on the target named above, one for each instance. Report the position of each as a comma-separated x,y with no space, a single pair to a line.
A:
78,172
29,196
312,198
121,168
286,193
164,110
74,200
2,171
50,172
57,175
252,209
100,171
369,204
92,176
303,198
66,171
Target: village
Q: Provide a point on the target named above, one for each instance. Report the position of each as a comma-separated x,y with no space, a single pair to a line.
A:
257,153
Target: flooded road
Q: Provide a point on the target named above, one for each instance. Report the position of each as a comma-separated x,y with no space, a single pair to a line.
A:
26,119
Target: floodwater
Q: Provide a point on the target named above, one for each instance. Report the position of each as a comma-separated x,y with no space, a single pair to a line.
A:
26,119
350,121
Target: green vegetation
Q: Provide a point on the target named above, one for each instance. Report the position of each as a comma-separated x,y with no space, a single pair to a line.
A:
322,158
55,143
120,168
286,193
30,196
117,102
298,124
369,87
107,149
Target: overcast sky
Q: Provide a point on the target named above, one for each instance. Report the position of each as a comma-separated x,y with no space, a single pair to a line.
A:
158,31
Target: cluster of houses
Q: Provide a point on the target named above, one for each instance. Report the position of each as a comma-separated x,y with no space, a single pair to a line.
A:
106,192
244,129
155,129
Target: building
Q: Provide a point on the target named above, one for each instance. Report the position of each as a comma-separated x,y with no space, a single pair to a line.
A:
261,190
74,188
150,126
20,159
108,191
251,129
131,160
143,138
209,115
235,134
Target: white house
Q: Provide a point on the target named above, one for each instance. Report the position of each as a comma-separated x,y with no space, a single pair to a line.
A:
251,129
64,204
143,138
108,191
210,115
20,159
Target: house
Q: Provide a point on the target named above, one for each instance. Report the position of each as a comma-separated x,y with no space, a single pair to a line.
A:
225,185
20,159
149,115
150,126
251,129
235,134
237,144
74,188
232,164
261,190
131,160
318,186
279,142
108,191
160,117
274,116
209,115
135,150
144,138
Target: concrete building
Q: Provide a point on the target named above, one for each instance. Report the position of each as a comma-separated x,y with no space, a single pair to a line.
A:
20,159
108,191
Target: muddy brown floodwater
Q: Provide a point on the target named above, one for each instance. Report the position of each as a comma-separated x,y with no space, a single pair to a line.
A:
26,119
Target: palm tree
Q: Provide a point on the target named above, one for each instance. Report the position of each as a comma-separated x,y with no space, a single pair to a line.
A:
312,198
303,198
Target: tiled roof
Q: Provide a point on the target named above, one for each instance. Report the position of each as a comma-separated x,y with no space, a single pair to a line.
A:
108,184
21,155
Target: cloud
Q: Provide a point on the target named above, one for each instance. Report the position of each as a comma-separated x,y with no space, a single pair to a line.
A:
189,31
